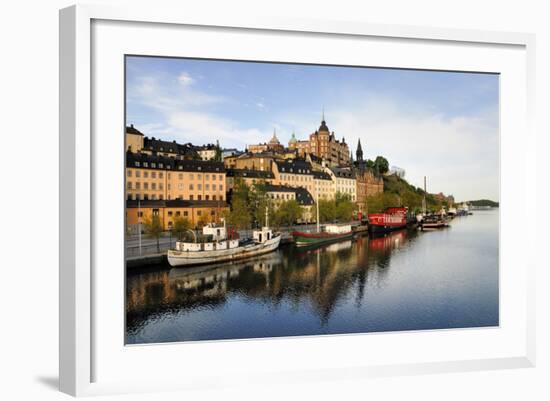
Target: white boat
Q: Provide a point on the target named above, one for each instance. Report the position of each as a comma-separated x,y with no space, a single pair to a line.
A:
221,248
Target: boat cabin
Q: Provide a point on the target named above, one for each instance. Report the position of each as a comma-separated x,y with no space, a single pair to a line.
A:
218,233
263,235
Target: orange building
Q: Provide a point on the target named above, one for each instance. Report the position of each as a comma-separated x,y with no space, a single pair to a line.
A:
197,212
323,143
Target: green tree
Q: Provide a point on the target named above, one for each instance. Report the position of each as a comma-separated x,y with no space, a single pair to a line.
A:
180,227
381,164
327,210
288,213
343,208
153,228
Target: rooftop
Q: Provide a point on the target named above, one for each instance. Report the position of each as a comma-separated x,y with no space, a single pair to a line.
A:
143,160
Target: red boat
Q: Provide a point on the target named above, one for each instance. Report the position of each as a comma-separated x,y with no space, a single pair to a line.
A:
393,218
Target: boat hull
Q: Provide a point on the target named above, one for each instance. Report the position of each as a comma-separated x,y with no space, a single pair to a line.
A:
381,229
305,239
192,258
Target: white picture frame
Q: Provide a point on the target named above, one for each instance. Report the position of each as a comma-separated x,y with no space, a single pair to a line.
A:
84,354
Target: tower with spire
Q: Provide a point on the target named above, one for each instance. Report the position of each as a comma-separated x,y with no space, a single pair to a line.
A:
359,152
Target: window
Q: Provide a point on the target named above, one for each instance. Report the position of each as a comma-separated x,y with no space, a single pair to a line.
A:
145,185
138,185
161,197
185,214
180,176
213,187
136,164
213,213
213,197
199,197
220,177
178,213
129,185
129,173
169,213
199,213
140,214
190,197
161,186
153,174
154,165
191,176
191,187
168,187
199,187
138,173
207,187
145,164
207,197
145,174
207,177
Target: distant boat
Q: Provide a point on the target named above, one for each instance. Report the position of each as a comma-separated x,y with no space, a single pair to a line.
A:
393,218
333,232
221,248
433,222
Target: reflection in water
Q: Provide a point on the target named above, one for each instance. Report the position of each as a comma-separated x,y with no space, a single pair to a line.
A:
336,288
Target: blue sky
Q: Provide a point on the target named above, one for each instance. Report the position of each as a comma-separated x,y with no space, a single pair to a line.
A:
440,124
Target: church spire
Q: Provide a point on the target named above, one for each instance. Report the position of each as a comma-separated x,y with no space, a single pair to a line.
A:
359,152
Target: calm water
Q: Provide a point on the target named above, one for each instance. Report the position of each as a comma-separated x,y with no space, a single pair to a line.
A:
404,281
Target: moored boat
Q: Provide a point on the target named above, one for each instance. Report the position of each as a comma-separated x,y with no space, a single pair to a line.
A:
393,218
433,222
332,232
221,248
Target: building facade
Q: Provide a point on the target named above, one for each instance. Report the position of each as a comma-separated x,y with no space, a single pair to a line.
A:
150,177
272,146
323,143
197,212
345,182
293,173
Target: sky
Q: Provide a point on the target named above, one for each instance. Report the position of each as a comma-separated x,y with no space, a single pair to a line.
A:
443,125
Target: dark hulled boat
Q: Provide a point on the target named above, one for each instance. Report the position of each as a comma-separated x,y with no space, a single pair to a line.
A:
331,233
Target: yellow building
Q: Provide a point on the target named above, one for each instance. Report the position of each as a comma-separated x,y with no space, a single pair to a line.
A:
150,177
250,177
344,179
325,186
282,193
294,173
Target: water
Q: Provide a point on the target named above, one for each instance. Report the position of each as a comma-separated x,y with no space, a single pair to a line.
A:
405,281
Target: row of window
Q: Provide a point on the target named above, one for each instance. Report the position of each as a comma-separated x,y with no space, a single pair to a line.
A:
161,165
139,196
160,186
160,174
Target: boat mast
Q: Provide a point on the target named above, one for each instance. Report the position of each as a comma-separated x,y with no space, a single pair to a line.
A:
317,203
424,199
266,218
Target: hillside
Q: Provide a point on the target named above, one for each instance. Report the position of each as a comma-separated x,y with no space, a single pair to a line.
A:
483,202
398,192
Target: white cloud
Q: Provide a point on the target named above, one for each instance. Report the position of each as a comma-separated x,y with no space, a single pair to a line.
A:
185,79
